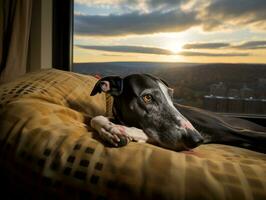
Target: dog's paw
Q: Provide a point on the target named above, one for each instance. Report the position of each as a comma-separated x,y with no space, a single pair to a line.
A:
115,134
136,134
110,132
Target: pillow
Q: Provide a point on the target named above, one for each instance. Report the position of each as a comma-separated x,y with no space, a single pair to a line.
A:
48,150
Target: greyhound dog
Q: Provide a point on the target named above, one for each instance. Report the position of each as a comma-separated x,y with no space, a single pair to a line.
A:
144,111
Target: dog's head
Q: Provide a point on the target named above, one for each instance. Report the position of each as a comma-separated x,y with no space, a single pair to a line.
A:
146,102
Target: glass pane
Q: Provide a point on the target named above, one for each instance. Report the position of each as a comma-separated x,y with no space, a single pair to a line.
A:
211,52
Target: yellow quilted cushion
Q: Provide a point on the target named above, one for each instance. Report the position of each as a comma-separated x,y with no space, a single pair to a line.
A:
48,150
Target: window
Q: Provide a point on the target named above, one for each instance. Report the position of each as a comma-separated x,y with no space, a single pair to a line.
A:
213,53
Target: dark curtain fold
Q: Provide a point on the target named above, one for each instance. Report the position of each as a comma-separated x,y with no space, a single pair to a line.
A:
15,21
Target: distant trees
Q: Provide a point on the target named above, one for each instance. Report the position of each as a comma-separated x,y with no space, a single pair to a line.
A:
190,81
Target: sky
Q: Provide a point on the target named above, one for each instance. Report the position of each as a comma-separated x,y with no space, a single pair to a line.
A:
194,31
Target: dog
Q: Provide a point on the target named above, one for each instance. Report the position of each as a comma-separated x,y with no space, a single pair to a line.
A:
144,111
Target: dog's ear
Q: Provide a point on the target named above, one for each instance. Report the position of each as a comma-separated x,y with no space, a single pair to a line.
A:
110,84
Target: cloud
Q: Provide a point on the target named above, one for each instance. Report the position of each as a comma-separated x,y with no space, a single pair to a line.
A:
137,5
205,45
251,45
98,2
189,53
154,16
133,23
222,13
129,49
158,51
163,4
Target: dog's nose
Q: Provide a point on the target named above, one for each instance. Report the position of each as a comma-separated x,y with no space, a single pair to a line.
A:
193,139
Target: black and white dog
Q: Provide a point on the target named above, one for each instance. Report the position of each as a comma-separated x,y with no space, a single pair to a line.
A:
143,111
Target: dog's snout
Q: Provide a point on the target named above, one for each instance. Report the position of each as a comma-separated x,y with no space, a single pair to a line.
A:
193,138
197,139
186,124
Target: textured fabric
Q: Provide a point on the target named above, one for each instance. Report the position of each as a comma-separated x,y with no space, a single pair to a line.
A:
48,150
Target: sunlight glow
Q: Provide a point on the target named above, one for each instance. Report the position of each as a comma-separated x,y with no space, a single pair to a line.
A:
174,47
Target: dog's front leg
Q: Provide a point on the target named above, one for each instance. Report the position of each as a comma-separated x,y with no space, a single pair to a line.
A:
115,134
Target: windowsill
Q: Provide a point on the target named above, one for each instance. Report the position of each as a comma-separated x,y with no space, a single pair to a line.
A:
259,119
243,115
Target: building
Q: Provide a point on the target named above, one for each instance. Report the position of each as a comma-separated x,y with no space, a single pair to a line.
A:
246,92
240,101
218,89
235,93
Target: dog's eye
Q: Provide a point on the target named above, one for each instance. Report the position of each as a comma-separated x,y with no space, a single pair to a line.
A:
147,98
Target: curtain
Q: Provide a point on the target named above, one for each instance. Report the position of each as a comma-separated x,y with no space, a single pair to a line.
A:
15,21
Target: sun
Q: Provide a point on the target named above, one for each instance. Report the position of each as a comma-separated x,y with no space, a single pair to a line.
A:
174,47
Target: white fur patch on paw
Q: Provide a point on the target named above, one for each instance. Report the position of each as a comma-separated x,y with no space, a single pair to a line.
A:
113,133
136,134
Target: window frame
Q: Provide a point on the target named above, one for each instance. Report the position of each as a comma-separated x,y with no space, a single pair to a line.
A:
63,15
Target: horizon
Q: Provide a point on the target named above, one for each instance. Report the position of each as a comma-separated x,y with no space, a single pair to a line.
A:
164,62
173,31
